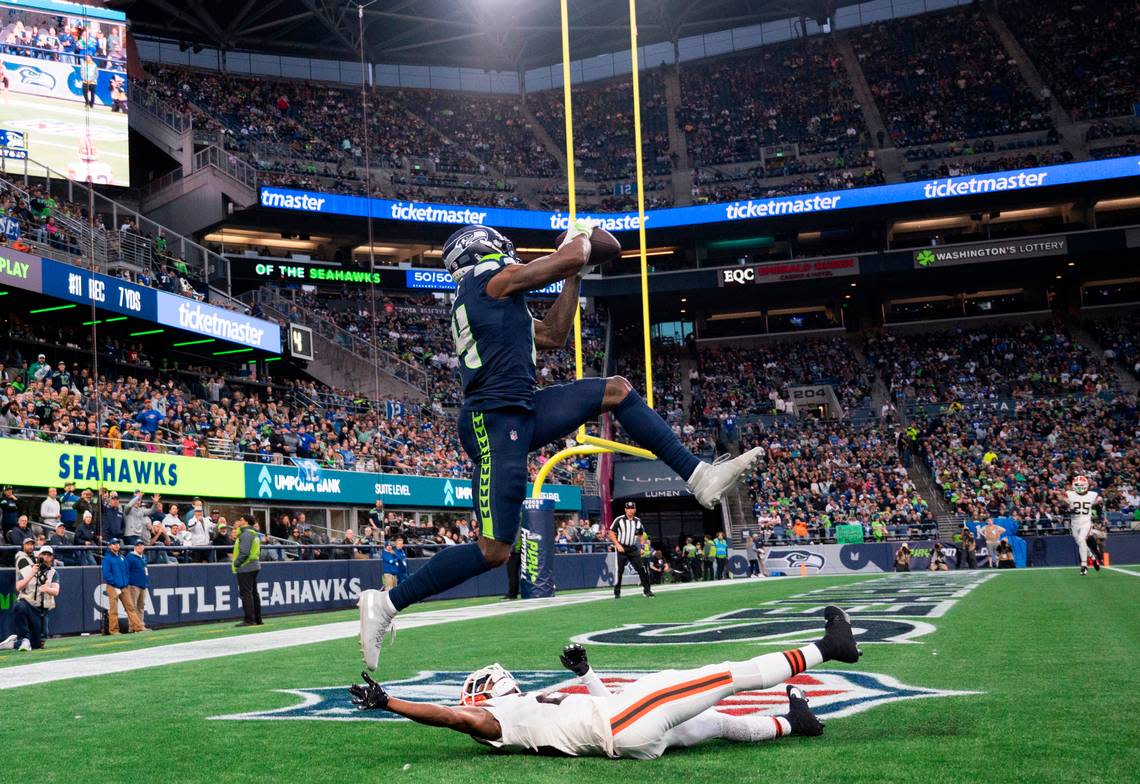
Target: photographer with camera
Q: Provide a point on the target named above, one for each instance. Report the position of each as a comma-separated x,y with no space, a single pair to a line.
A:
26,556
36,589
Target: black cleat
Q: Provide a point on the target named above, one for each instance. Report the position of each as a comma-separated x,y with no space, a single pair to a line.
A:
649,594
799,715
838,643
1096,564
1084,570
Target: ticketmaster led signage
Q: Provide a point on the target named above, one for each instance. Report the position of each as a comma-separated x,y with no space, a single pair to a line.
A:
800,204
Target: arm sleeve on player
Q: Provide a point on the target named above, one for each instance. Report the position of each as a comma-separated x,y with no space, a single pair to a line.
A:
594,684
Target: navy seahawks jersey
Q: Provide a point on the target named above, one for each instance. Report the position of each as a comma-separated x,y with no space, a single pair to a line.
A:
494,340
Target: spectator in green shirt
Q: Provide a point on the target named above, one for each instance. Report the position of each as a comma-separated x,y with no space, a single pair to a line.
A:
878,530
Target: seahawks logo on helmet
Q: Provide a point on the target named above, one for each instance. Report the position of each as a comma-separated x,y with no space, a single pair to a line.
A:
466,247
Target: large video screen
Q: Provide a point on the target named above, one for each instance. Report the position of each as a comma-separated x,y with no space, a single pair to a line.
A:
63,90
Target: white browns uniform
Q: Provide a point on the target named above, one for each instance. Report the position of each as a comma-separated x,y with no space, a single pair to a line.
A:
541,722
638,723
1081,506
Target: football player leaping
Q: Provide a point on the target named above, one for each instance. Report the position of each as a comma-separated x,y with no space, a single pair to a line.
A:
505,417
667,709
1081,502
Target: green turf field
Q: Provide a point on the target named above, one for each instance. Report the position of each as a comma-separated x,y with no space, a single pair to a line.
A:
1051,654
55,128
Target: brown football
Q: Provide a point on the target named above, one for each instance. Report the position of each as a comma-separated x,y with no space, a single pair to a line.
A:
604,246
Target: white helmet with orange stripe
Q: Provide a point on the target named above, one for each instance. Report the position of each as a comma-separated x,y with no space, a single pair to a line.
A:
1081,485
486,684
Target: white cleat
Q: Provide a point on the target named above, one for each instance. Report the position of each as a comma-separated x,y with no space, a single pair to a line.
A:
25,645
711,481
9,644
375,621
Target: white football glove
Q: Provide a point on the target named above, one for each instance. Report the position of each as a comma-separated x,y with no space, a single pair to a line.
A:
580,227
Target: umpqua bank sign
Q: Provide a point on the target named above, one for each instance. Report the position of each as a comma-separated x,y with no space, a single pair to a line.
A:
307,481
749,209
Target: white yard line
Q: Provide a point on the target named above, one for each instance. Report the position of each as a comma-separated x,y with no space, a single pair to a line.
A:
1118,570
180,653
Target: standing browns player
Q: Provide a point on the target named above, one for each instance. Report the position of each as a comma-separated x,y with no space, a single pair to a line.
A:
1081,502
504,417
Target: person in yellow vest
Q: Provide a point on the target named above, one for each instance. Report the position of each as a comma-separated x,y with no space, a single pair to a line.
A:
246,564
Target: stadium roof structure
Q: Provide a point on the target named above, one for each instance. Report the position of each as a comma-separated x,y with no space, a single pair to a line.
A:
504,35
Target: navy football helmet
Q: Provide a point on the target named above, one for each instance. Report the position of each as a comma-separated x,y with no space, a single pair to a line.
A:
466,247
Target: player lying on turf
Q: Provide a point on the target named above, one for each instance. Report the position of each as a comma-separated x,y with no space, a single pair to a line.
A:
504,417
713,724
641,722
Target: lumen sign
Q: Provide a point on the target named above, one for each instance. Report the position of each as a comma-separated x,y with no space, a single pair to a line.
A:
749,209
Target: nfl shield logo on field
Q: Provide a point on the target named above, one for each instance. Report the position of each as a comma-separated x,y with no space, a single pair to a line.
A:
833,694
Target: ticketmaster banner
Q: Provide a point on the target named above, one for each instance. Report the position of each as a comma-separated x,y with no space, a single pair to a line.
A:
307,481
801,204
975,252
106,292
219,323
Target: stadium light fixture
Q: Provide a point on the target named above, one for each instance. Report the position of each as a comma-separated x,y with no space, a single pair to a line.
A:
145,332
193,342
52,309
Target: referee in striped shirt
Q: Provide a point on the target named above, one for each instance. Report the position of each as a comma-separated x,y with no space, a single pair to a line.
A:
625,535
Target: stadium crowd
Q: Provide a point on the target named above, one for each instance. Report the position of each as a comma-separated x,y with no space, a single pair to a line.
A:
1120,339
1088,54
603,126
789,93
932,87
748,381
54,225
1002,360
818,474
1019,462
